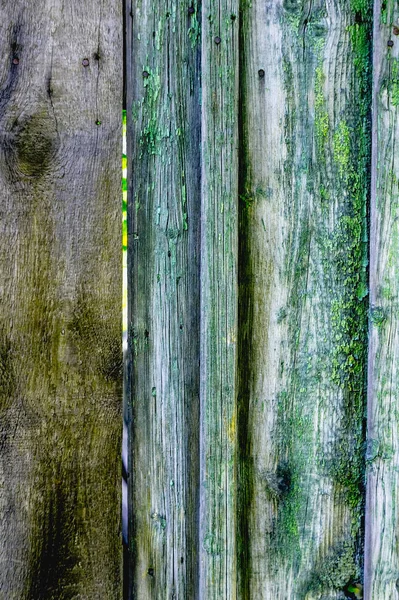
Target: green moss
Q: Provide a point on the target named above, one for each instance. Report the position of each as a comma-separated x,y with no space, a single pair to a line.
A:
337,570
295,441
321,122
341,147
384,12
292,13
346,250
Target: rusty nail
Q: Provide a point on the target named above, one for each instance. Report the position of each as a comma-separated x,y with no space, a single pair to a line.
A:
85,62
15,61
261,73
395,30
146,74
217,40
191,10
390,44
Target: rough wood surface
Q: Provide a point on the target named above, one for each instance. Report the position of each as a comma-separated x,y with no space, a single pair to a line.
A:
219,245
382,501
304,71
267,469
60,299
163,59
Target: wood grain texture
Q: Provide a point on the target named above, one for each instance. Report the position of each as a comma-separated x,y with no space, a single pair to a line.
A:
60,300
382,501
163,60
219,245
304,156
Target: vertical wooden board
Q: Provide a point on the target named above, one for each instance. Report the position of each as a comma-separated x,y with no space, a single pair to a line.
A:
219,223
382,500
60,299
302,296
163,88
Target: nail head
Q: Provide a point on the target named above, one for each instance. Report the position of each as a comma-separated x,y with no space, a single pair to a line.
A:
85,62
15,61
395,30
191,10
261,73
146,74
217,40
390,44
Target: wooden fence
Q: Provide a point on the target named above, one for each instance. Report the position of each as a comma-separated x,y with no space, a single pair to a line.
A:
261,387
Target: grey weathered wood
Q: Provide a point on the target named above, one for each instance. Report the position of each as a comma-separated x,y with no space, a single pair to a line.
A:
163,60
382,516
219,245
60,299
304,156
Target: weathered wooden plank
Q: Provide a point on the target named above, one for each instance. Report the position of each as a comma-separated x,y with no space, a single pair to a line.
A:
303,298
60,295
163,90
219,245
382,500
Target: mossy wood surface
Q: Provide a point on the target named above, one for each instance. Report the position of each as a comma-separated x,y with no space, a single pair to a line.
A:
304,169
382,500
182,491
249,150
60,295
163,146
